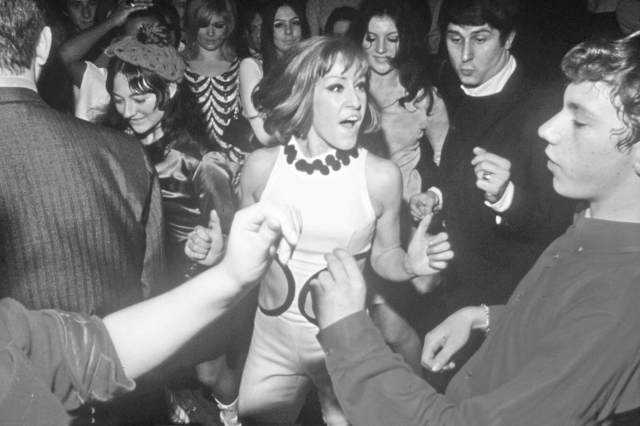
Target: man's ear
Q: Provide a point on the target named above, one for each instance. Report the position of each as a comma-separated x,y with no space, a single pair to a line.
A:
635,153
43,47
509,41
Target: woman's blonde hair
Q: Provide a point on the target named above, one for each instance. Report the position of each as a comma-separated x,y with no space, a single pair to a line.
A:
285,95
199,13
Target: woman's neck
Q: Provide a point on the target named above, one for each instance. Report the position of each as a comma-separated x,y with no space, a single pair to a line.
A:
152,136
210,55
312,145
385,88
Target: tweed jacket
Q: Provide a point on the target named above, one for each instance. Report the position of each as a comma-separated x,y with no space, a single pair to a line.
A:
81,225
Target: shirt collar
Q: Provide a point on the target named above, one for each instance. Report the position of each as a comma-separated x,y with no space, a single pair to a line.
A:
601,235
495,84
17,81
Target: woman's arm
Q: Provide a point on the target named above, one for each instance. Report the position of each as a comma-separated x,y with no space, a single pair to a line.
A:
426,254
250,76
255,173
385,189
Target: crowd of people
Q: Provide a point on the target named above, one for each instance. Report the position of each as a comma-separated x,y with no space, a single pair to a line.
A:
289,212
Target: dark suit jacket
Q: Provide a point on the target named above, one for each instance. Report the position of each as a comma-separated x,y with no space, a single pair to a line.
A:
490,258
80,211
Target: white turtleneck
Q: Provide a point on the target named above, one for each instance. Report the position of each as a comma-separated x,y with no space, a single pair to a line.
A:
495,84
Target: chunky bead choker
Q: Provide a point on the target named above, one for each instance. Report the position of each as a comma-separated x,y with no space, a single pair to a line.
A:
331,161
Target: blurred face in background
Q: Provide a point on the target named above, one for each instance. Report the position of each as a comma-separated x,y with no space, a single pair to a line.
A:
181,7
212,36
287,29
340,28
381,43
81,13
254,32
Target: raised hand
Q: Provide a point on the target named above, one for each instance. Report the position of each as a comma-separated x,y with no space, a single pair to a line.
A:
123,9
206,245
340,290
492,173
428,254
258,233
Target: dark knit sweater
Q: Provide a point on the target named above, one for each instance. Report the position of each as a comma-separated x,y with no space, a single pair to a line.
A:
491,258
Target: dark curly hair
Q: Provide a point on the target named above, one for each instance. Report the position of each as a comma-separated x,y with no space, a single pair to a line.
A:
616,63
411,60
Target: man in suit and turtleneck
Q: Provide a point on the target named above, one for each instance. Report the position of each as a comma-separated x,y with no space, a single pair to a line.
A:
493,188
80,208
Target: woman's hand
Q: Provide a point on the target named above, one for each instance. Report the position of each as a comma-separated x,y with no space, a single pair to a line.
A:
427,254
205,246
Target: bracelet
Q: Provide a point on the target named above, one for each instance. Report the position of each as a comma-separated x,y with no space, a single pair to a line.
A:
487,314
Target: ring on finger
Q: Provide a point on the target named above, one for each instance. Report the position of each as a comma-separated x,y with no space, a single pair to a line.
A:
486,176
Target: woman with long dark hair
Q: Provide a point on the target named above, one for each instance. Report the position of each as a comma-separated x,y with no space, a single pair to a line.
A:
283,26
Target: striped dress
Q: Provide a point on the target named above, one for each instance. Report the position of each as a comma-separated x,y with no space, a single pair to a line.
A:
217,99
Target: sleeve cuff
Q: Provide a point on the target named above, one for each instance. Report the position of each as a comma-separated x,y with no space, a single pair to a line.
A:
437,191
350,337
503,204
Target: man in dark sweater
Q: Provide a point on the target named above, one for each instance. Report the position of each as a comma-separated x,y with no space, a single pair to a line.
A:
564,349
80,208
492,186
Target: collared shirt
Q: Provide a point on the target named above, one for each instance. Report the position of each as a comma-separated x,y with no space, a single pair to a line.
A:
17,81
564,350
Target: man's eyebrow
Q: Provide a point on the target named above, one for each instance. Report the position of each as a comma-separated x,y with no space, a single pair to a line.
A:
580,109
481,31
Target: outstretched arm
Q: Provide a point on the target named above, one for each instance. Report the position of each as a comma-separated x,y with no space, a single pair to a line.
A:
425,255
146,334
75,49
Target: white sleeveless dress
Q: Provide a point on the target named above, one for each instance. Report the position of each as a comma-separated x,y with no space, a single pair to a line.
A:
285,358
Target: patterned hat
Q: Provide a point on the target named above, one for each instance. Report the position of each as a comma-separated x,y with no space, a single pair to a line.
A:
150,49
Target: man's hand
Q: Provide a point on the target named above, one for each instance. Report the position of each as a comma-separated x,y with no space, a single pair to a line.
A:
428,254
206,245
258,233
125,8
423,204
441,343
340,291
492,173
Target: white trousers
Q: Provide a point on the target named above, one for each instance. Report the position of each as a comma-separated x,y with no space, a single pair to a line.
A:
284,360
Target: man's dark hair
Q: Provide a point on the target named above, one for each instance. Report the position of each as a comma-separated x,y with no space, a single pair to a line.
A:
21,22
617,64
499,14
